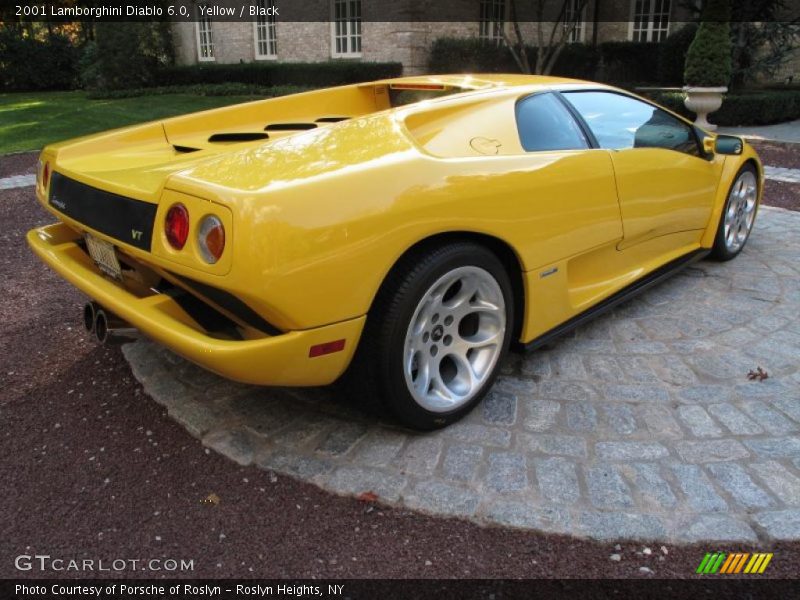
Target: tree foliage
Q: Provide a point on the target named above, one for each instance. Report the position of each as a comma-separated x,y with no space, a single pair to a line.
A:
708,60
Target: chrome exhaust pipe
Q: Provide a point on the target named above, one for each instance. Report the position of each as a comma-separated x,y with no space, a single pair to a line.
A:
110,329
89,314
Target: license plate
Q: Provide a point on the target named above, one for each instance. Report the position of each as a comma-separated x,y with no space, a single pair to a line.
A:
104,256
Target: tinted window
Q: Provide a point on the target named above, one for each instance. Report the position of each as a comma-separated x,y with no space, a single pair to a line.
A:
544,123
619,122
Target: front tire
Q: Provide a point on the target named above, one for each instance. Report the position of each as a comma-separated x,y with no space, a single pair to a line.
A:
738,215
436,335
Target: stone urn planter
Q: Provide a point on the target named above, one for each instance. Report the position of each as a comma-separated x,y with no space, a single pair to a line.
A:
703,101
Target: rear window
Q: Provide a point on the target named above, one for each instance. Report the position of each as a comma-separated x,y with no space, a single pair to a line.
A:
402,94
544,123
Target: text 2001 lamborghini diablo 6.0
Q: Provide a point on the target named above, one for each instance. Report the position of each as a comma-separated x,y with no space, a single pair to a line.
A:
400,233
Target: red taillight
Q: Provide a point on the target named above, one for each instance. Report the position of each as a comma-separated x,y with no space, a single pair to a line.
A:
176,226
45,175
326,348
211,239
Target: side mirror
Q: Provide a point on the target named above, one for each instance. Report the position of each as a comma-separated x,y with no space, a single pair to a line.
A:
709,146
728,144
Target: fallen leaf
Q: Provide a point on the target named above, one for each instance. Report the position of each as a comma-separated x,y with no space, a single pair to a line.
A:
212,498
758,375
367,497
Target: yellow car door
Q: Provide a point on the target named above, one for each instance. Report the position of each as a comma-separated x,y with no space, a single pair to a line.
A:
664,183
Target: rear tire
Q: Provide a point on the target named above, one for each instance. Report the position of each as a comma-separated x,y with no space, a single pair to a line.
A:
738,215
435,336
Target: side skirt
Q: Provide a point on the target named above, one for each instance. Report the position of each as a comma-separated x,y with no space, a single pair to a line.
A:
637,287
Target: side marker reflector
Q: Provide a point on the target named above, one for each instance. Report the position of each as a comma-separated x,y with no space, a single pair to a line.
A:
326,348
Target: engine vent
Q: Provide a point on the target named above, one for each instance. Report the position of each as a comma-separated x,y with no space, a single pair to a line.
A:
238,137
290,126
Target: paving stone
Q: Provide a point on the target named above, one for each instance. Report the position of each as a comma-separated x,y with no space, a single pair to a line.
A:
620,417
642,369
537,366
671,369
715,528
604,368
480,434
735,420
341,439
636,393
780,524
705,393
500,408
780,480
379,447
630,451
773,421
236,444
621,526
581,416
420,456
568,366
506,472
560,390
437,497
697,488
711,450
787,447
529,515
740,486
698,421
660,422
607,488
542,415
461,462
558,480
647,480
356,480
560,445
297,465
789,405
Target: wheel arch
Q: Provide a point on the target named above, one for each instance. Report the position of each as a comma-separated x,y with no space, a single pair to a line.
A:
499,247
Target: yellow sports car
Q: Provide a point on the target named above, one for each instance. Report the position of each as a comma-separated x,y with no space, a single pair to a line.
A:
403,233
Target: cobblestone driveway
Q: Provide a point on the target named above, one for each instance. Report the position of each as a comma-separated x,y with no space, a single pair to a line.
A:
641,425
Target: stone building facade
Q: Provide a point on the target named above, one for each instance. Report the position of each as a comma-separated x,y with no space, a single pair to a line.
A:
352,30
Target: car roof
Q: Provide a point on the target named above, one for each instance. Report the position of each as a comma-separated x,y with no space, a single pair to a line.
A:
479,80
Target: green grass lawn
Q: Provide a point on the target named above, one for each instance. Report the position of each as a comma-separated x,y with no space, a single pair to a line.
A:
30,121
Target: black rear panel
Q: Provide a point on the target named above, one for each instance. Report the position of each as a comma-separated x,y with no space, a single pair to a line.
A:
125,219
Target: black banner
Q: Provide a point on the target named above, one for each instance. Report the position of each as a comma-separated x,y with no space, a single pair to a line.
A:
711,588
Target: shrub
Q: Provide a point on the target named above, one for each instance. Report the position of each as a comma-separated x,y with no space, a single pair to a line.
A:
126,55
271,74
201,89
745,108
708,60
672,55
629,62
28,64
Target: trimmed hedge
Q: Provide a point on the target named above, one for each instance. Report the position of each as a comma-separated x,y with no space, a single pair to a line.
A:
708,61
622,63
747,108
271,74
28,64
207,89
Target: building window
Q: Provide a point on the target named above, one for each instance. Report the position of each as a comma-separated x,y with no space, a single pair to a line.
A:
346,28
205,39
491,20
574,23
650,20
265,35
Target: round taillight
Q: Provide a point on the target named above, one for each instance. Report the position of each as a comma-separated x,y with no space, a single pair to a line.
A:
176,226
45,175
211,239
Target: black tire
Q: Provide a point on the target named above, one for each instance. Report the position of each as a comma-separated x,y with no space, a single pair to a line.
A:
376,375
720,250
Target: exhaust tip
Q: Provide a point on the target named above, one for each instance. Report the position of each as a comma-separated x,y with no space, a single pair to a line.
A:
89,312
101,326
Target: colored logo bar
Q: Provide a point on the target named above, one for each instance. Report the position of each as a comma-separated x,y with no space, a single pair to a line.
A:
734,562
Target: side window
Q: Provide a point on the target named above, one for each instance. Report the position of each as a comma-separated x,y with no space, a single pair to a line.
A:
620,122
544,123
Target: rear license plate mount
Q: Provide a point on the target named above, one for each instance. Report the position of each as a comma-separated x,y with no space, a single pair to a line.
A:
105,256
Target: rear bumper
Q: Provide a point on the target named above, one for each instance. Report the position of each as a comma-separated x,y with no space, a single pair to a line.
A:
271,360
